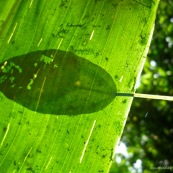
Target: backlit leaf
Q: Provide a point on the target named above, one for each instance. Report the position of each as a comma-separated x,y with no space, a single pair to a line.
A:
56,82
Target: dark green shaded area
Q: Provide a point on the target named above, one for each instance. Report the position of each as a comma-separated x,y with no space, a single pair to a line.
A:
56,82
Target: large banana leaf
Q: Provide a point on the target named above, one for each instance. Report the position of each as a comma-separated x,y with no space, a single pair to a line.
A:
62,65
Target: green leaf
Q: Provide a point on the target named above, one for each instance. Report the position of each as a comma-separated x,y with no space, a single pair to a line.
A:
102,46
60,83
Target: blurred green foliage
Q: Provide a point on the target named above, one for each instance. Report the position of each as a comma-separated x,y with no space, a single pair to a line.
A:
148,133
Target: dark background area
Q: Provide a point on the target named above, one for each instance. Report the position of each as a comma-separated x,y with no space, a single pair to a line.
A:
148,133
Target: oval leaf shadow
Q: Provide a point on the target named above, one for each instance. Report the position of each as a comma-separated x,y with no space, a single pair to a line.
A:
56,82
